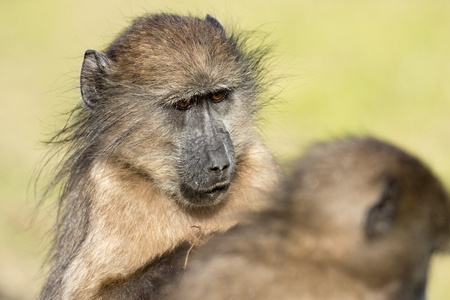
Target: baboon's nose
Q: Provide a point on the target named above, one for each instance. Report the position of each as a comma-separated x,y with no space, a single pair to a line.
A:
219,164
219,168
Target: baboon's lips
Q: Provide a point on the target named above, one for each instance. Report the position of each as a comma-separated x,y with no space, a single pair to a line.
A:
205,196
215,188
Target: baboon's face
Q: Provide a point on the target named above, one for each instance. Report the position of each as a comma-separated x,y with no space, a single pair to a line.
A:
181,101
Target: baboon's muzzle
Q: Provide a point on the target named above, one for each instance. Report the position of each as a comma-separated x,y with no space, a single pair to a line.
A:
207,159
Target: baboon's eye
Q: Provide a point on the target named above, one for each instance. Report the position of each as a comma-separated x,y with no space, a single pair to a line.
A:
217,96
184,104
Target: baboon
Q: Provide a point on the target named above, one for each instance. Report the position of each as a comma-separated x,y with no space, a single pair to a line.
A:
161,151
357,219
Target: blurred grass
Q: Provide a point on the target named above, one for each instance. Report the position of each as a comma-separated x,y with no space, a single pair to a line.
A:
345,67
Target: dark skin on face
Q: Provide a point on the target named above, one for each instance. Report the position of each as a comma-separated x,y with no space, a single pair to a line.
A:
207,154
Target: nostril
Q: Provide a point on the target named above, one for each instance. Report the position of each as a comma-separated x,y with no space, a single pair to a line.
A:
214,169
217,169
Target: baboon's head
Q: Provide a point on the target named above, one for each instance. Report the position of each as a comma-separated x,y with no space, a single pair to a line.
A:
175,98
378,212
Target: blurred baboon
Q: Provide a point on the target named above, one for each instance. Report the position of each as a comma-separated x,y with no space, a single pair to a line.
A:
358,219
161,151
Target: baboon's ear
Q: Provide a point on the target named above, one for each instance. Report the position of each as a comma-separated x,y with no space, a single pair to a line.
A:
382,214
214,21
94,73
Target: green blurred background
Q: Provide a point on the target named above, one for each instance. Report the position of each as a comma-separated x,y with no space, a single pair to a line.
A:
344,67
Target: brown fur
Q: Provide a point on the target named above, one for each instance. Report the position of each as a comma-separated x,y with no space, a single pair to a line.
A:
121,211
358,219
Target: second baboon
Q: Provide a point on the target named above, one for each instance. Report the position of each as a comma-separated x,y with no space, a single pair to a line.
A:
161,151
358,219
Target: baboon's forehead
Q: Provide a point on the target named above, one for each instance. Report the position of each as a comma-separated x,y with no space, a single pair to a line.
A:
174,50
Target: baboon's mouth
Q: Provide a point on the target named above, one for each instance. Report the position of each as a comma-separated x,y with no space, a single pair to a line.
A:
215,188
205,197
